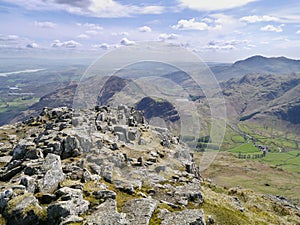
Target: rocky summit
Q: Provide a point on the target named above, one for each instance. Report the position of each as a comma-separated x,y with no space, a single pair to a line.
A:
107,166
100,166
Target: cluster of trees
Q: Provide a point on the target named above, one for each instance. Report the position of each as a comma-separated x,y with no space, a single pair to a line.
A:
251,156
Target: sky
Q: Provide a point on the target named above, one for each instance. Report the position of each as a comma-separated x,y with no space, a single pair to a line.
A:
216,30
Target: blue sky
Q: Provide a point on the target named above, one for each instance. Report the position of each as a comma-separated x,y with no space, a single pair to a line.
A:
216,30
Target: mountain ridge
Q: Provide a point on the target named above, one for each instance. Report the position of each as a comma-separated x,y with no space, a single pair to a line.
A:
257,64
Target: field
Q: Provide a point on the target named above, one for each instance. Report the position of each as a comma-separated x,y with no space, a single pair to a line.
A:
229,171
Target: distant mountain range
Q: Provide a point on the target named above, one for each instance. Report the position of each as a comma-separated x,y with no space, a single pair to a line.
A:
257,87
257,64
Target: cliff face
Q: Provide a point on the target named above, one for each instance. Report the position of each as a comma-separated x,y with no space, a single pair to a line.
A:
108,166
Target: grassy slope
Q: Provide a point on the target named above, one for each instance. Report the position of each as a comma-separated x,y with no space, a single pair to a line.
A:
229,171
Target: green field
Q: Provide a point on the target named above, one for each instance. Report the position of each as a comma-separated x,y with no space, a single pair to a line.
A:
289,161
284,151
275,139
247,147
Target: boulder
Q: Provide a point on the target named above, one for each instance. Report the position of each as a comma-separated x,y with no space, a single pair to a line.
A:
4,160
190,192
124,186
70,144
4,198
185,217
107,214
22,147
34,154
71,203
29,183
134,134
139,211
54,174
105,194
121,132
25,210
85,142
54,147
107,173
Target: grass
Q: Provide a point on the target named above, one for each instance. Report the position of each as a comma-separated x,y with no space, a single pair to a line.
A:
245,148
237,139
289,161
223,214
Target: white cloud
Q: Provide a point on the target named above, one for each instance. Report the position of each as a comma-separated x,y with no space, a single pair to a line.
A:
191,24
224,22
13,41
45,24
202,5
110,8
66,44
228,44
255,19
32,45
120,33
92,32
10,37
83,36
298,32
171,36
95,8
126,42
90,26
220,47
272,28
213,22
145,29
103,46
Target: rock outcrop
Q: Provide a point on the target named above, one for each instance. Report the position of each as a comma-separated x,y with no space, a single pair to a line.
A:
74,163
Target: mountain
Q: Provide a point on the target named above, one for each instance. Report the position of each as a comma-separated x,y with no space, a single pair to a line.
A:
154,108
257,64
265,103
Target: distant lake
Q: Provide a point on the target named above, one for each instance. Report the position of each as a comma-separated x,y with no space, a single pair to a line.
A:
21,71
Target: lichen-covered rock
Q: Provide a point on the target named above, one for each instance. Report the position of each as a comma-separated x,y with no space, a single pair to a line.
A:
54,174
24,210
107,214
139,211
71,203
105,194
190,192
29,183
122,132
4,198
185,217
22,147
124,186
34,154
107,173
70,144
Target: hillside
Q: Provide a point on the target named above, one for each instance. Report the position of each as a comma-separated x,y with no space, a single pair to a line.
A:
98,167
253,94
